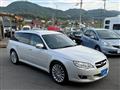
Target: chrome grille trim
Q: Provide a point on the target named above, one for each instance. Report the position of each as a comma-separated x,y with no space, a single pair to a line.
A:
101,63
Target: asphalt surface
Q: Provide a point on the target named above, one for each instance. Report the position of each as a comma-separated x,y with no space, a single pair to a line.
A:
25,77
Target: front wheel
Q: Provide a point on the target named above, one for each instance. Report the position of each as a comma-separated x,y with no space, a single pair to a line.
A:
58,73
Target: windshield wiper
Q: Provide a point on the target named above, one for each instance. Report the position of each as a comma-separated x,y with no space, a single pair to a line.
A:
69,46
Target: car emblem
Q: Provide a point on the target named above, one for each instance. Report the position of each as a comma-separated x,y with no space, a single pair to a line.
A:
103,62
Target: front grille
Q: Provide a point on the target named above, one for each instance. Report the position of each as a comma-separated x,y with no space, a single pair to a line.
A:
101,63
116,46
82,77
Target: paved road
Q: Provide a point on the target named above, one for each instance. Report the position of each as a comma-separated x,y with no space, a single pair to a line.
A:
24,77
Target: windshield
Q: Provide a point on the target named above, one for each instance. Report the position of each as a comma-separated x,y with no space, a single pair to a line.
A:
107,34
56,41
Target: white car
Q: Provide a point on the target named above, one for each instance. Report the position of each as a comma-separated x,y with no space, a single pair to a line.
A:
58,55
26,27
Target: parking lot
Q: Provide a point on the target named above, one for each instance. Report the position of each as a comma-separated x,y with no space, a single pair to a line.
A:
25,77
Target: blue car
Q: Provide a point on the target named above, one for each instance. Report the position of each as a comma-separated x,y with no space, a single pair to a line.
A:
106,41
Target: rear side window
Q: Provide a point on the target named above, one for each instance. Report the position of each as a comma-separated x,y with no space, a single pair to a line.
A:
22,37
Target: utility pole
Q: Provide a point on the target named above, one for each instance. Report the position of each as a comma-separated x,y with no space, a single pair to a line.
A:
104,4
104,8
10,22
54,14
101,21
81,4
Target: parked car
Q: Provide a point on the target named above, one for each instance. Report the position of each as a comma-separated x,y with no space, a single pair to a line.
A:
76,35
106,41
58,55
26,27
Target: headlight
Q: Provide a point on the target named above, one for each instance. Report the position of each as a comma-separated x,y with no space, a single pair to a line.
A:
83,65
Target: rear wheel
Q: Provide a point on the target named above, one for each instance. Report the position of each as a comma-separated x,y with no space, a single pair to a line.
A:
58,73
14,57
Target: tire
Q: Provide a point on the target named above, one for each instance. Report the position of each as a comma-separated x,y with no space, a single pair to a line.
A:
98,48
14,57
58,73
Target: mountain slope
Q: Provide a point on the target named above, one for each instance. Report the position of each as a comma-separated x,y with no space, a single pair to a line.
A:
25,7
29,9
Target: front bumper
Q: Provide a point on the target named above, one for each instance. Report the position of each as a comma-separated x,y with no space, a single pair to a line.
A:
110,50
85,76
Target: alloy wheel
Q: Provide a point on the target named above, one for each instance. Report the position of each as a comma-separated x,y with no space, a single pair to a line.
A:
58,73
13,57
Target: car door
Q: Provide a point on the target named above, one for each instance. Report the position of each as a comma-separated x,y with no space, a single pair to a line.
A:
38,56
23,45
93,39
85,38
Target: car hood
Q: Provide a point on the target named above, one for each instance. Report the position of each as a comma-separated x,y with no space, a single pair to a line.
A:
113,42
81,53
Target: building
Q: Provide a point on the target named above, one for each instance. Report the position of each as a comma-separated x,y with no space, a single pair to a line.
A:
9,20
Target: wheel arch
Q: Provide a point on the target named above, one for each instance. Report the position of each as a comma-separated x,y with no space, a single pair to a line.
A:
53,62
96,46
57,61
12,49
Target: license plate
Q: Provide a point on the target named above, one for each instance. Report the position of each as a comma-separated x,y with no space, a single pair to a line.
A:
119,51
104,72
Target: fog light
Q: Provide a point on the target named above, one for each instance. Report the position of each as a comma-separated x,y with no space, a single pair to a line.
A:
82,76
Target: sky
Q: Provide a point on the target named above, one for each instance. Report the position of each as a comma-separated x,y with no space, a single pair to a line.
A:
69,4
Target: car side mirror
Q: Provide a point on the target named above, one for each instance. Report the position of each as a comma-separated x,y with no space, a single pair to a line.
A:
40,46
